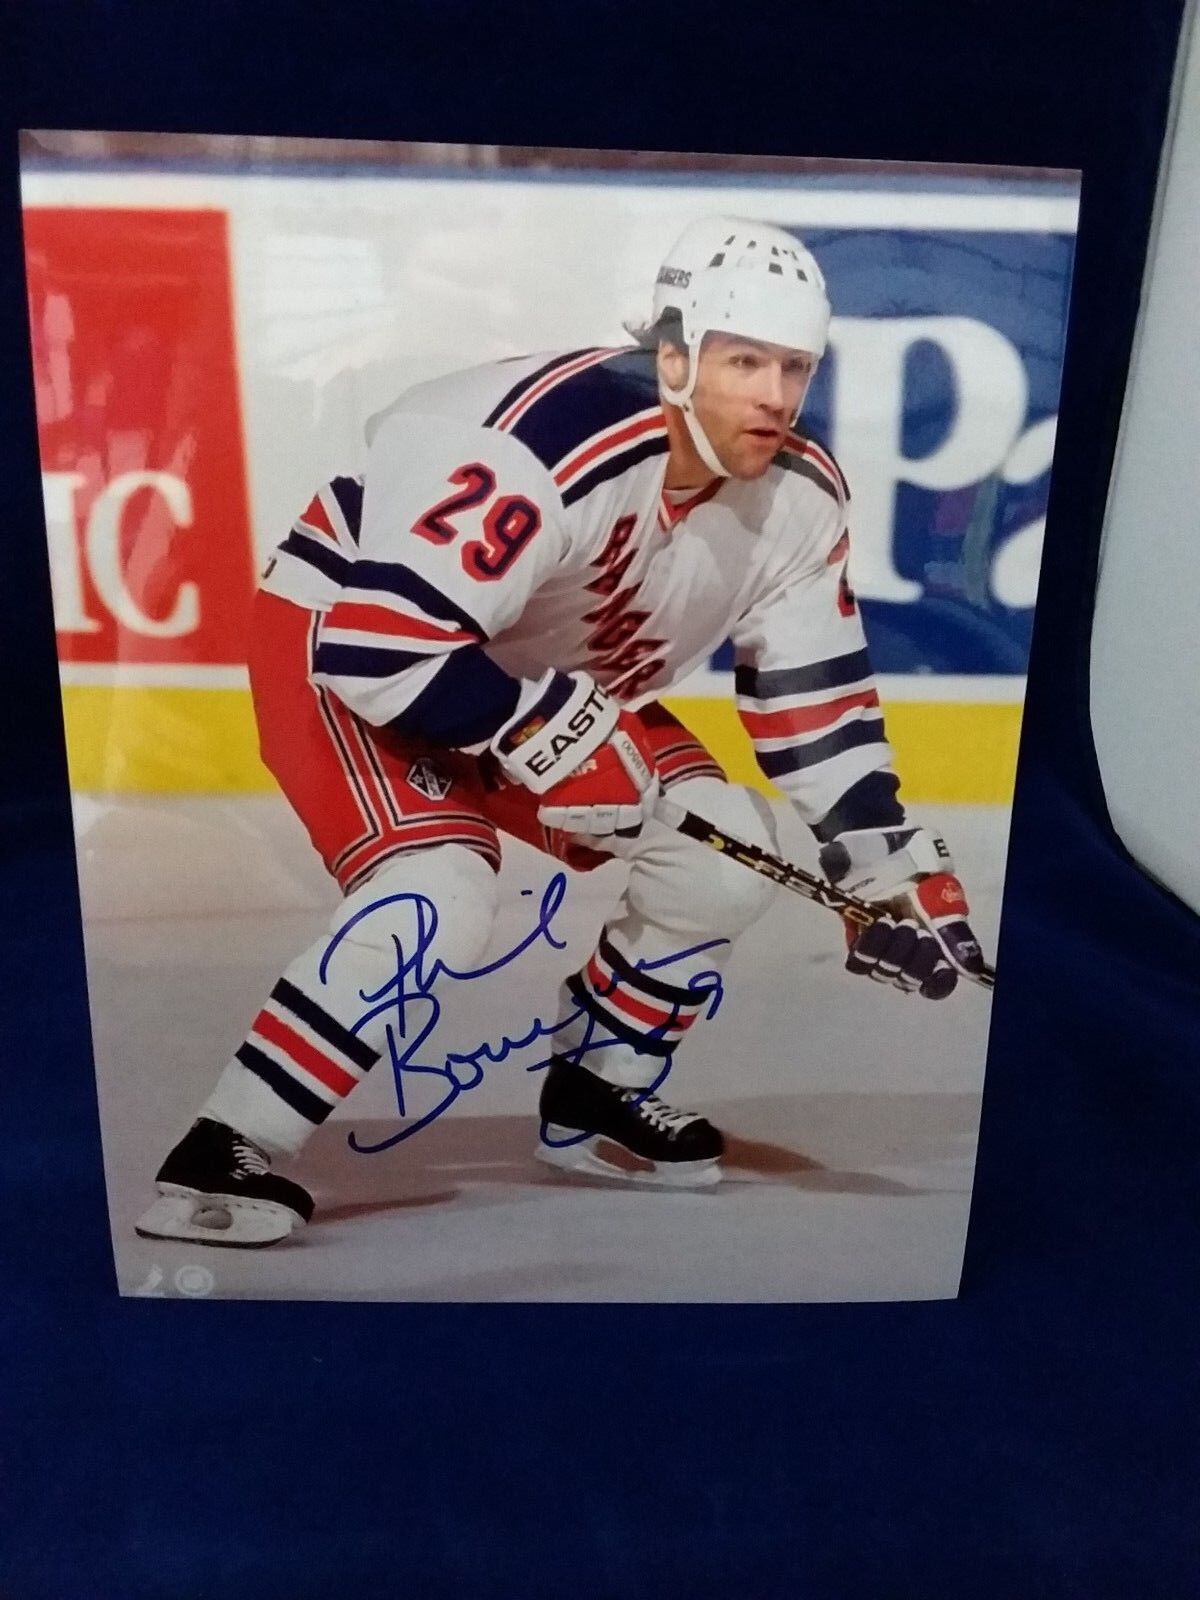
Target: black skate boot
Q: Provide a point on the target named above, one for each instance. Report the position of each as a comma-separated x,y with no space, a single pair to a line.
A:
582,1114
215,1188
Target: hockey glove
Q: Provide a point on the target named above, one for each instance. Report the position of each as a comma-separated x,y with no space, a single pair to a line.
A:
589,761
925,941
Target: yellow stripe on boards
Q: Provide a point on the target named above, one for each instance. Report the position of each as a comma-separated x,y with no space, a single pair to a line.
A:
133,740
138,740
955,751
962,752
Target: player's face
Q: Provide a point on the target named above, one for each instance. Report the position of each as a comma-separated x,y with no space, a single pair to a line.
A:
746,395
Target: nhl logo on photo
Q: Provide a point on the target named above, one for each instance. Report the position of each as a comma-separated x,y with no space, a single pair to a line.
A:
426,779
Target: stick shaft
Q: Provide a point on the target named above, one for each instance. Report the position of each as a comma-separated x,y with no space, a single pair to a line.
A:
789,876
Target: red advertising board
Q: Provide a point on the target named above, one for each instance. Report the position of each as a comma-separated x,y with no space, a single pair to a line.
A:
140,431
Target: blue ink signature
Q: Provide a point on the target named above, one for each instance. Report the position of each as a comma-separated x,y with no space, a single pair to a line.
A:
413,1011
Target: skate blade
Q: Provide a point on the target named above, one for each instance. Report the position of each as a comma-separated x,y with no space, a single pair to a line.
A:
586,1160
226,1220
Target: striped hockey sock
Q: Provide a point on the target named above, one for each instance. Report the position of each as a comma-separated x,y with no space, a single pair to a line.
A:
625,1019
295,1065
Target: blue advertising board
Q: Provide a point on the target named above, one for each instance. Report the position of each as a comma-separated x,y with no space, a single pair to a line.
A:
939,395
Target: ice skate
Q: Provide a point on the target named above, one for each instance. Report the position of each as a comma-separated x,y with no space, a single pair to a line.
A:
594,1128
215,1188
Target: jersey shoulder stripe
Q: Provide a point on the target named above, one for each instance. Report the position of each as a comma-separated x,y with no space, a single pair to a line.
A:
533,384
611,452
587,402
807,458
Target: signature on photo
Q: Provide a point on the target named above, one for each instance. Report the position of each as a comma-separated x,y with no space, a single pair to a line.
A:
412,1011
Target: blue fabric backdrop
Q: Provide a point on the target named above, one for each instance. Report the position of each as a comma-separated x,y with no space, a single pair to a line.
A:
1039,1437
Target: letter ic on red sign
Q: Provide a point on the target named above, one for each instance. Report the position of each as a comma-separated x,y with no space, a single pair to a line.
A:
139,420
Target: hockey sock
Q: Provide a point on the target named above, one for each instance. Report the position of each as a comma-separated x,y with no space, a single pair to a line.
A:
298,1061
660,959
622,1020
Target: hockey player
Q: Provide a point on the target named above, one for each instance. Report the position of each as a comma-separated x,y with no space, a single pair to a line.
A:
474,636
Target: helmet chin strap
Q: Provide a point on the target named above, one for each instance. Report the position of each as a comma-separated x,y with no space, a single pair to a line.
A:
700,440
682,398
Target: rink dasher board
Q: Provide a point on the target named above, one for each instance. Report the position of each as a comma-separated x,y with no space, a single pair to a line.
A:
187,727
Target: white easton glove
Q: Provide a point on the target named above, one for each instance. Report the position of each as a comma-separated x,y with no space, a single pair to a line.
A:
589,760
925,941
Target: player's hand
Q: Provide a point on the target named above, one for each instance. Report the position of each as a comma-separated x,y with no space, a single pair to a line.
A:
590,761
612,791
925,942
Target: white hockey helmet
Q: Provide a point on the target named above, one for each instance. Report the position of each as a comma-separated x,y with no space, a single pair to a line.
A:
729,275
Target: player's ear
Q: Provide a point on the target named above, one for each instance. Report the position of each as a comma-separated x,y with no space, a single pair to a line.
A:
672,364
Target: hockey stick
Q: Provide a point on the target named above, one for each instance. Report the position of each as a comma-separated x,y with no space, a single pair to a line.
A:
789,876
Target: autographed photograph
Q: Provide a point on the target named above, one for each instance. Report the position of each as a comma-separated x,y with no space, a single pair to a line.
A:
542,637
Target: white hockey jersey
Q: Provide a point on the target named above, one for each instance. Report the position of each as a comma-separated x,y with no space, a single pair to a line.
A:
516,512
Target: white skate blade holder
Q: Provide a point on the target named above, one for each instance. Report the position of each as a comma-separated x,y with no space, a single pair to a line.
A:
217,1219
586,1158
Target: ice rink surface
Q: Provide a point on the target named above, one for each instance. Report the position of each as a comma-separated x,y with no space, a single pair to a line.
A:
850,1111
